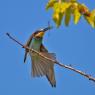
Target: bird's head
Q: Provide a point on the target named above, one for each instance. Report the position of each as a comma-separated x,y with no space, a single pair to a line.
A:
40,33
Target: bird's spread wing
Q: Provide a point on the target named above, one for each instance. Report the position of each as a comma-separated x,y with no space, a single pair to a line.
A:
42,66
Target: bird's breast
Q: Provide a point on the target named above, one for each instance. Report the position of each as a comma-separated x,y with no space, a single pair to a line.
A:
36,44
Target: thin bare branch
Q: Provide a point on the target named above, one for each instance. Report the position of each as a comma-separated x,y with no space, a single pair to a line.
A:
54,61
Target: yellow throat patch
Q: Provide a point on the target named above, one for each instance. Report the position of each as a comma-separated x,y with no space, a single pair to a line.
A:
40,34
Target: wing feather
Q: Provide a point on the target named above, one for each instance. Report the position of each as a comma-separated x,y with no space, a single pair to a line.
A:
43,67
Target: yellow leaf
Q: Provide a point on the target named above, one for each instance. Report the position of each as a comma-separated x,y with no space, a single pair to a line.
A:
73,0
63,0
57,7
93,16
61,6
91,19
83,9
50,4
64,6
77,16
59,10
57,17
67,16
74,5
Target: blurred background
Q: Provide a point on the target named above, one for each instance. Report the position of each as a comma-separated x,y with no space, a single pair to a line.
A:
73,45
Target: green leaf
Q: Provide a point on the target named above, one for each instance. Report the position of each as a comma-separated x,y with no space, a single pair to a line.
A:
50,4
77,16
67,16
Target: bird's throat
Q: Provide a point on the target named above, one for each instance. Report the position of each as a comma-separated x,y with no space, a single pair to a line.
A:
35,44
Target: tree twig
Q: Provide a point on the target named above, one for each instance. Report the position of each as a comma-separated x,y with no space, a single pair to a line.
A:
54,61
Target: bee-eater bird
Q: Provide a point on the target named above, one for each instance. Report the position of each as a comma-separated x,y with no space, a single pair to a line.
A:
40,65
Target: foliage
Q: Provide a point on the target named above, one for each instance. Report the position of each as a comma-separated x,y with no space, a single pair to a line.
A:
70,8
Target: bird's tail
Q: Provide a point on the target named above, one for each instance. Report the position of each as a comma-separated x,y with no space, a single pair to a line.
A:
25,56
42,66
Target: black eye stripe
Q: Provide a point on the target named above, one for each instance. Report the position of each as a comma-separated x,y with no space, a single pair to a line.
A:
37,37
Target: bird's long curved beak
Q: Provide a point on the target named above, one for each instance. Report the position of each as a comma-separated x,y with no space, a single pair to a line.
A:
47,28
42,31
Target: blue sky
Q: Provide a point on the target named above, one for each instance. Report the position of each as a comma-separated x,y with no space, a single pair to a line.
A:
73,45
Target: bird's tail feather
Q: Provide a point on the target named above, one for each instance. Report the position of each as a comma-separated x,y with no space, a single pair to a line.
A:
42,66
25,56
